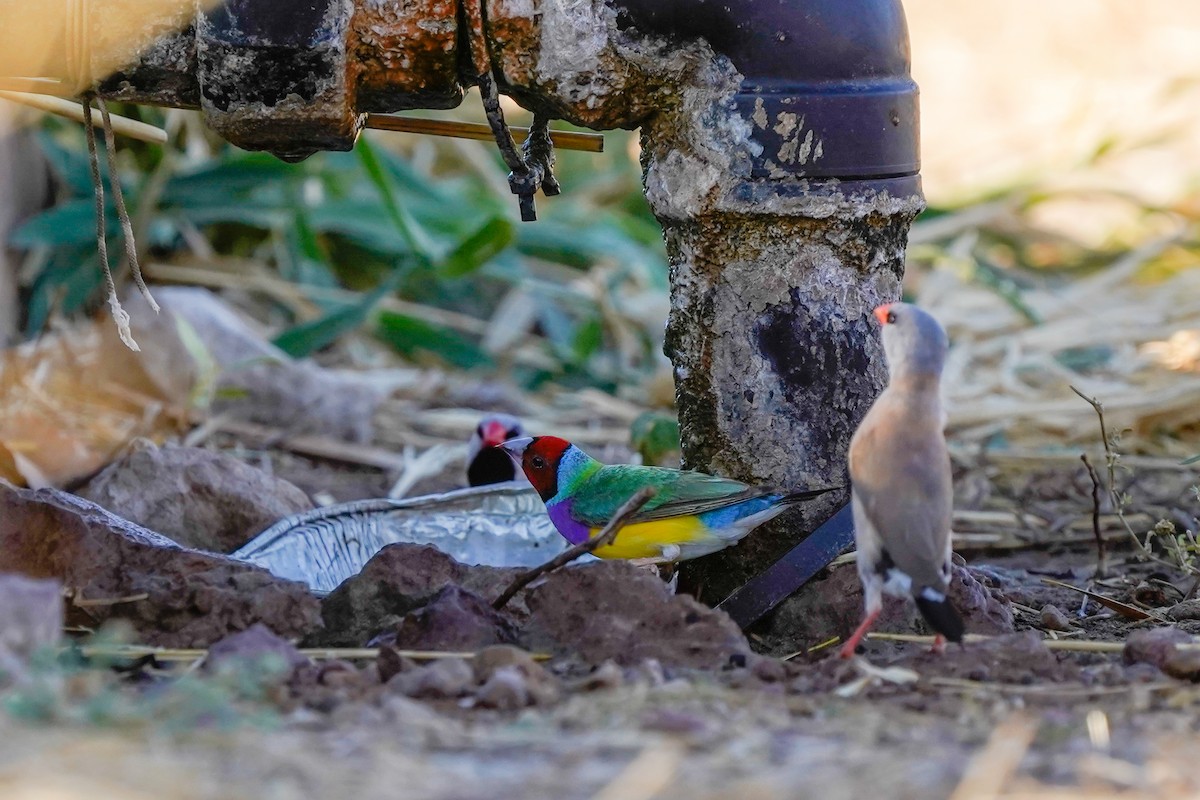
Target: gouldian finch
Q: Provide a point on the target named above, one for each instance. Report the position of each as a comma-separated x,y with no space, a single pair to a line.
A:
486,464
900,490
691,515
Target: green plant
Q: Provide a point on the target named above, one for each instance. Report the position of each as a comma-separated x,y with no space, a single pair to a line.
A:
409,245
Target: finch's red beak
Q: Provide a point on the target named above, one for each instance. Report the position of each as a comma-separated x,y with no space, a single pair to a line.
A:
494,434
881,313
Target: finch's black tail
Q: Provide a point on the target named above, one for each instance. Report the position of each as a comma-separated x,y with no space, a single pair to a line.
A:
808,494
940,615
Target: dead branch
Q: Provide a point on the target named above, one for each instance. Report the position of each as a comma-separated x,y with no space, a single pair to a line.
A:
1110,458
631,507
1101,547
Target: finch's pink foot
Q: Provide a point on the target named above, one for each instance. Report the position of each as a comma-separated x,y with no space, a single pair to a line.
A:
939,645
852,643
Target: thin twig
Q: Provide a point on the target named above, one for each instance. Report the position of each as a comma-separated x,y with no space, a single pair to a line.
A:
567,140
631,507
319,653
1110,458
71,110
1101,548
1065,645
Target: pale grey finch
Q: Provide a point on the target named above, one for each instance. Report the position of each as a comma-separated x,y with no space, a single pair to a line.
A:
901,494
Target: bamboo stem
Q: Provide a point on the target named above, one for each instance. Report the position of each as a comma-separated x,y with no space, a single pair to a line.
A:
74,111
192,654
1066,645
566,140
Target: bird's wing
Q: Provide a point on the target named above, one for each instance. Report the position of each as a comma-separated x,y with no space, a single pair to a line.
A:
900,471
680,493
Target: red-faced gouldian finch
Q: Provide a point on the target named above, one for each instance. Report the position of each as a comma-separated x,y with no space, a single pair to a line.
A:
691,515
900,490
486,464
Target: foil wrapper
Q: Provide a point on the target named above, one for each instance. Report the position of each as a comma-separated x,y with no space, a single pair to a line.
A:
503,525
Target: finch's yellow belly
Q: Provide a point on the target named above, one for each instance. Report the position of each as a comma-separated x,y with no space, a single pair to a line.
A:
647,539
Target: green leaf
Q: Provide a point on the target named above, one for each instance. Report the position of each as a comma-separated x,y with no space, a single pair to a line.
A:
71,166
655,435
68,281
1191,460
72,223
588,338
235,175
309,337
362,221
481,246
411,336
408,228
305,260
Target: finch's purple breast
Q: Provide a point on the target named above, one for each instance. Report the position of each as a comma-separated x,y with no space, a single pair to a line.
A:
572,530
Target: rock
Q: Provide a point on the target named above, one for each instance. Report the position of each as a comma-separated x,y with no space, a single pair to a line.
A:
454,619
490,659
606,676
198,498
505,690
1188,609
982,609
173,597
676,722
390,663
440,680
770,670
537,685
327,686
613,610
31,618
1016,658
256,643
1183,664
261,383
1053,618
831,604
1153,646
399,579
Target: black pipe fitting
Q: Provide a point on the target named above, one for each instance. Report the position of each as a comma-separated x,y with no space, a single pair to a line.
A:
826,83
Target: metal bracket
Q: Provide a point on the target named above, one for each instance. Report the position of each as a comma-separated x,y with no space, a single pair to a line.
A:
762,593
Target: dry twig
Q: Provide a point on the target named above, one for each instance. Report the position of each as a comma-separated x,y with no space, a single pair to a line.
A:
1101,548
631,507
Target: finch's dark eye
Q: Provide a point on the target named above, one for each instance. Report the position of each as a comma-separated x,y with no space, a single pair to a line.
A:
479,430
539,462
891,318
511,433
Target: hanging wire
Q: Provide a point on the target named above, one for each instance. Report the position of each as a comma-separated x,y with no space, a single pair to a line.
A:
131,256
120,317
531,166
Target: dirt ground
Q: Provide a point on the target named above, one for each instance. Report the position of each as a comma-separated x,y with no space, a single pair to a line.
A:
996,717
1006,717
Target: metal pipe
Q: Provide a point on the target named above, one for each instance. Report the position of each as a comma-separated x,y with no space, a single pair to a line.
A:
780,155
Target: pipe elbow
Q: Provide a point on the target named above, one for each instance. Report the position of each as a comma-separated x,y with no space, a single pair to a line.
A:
826,84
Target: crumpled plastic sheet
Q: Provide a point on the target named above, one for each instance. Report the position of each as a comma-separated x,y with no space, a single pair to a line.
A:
502,525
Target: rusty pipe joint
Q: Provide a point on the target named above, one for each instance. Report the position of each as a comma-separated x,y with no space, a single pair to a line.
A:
293,78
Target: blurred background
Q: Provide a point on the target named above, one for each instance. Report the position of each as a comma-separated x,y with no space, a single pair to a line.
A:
1061,162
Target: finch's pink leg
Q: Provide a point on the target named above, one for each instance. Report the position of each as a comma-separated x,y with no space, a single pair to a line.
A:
939,644
852,643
